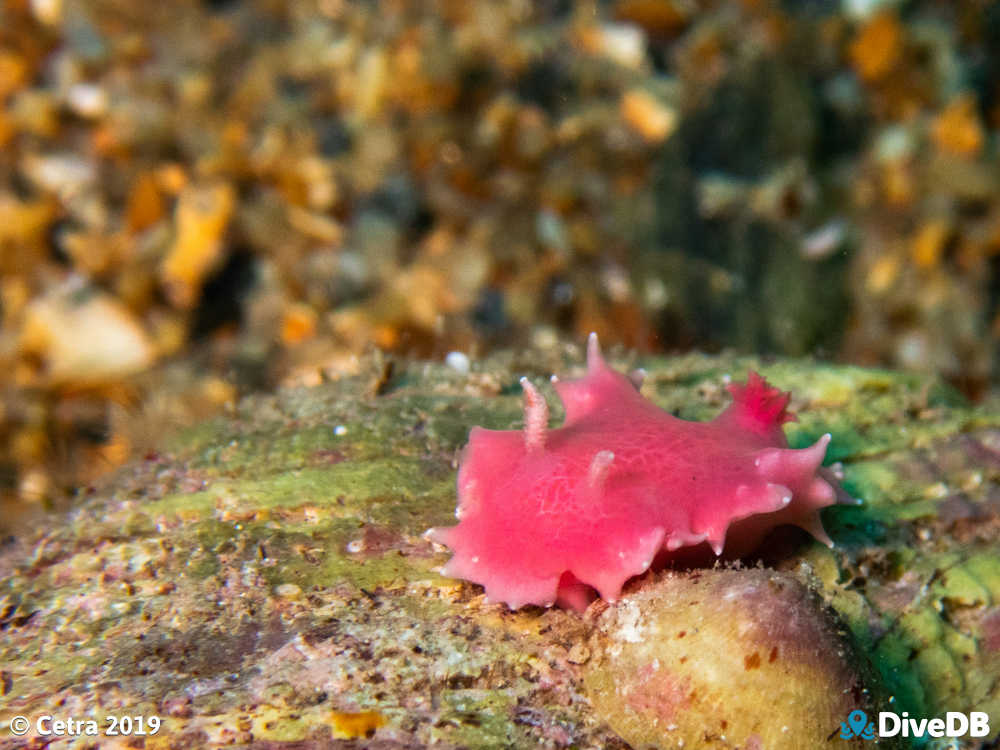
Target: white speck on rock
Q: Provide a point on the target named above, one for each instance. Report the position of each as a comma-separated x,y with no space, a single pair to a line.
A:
458,362
631,630
288,590
356,546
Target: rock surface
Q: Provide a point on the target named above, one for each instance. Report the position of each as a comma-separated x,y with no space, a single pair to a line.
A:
726,659
263,580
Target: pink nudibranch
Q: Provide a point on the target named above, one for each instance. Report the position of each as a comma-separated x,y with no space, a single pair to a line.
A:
544,514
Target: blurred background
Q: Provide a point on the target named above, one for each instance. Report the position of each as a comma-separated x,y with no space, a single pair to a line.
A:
202,199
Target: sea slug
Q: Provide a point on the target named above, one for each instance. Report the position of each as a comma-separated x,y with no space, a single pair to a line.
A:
551,514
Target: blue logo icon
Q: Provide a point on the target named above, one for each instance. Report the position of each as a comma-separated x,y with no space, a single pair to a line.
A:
857,725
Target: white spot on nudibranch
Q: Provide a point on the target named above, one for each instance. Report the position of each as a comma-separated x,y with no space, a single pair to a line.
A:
599,467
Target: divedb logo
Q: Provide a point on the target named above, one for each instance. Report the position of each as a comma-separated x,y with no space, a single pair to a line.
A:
954,724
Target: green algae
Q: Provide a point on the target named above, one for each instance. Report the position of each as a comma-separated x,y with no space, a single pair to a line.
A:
283,546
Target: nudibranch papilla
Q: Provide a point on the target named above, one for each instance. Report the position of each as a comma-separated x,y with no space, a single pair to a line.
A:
545,514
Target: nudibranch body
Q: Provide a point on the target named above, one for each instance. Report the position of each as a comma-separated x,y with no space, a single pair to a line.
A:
546,513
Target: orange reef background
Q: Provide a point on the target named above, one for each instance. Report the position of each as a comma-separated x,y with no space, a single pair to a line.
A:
202,199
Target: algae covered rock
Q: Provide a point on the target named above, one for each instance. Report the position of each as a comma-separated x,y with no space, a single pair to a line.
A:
726,658
263,580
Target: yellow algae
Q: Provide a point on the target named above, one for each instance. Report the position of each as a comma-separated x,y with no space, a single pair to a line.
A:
201,218
958,130
298,324
929,243
13,72
898,183
883,274
660,19
648,116
354,725
22,223
877,49
145,204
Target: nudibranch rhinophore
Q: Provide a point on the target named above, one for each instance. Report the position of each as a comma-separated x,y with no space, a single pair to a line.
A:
545,514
